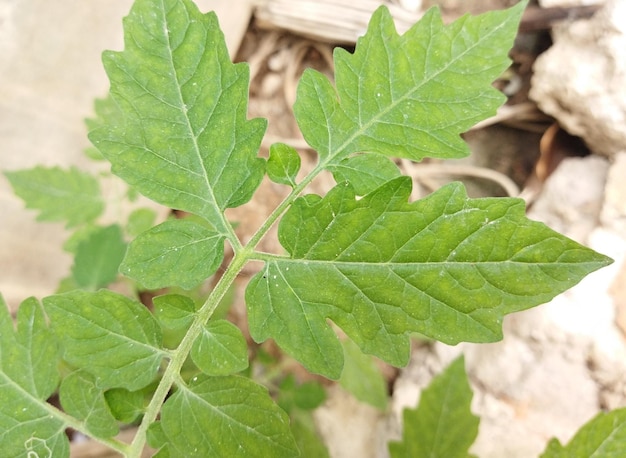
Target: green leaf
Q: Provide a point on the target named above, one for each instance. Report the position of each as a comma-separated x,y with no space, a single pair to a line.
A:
411,95
307,437
362,378
78,236
304,396
602,437
98,257
140,220
178,131
157,439
174,253
283,164
174,311
442,425
365,172
125,405
81,398
59,195
114,338
243,420
28,376
220,349
447,267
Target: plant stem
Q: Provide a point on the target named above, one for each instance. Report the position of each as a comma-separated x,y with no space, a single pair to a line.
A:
280,209
243,254
171,374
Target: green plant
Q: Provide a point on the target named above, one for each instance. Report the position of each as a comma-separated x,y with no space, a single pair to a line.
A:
362,256
442,425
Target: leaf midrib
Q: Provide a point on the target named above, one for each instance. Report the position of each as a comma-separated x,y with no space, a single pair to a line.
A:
338,153
212,200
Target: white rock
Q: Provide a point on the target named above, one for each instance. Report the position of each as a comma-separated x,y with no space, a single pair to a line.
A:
613,214
571,199
581,79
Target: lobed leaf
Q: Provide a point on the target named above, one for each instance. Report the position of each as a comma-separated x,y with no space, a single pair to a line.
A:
411,95
283,164
81,398
307,437
98,257
447,266
59,195
243,420
365,172
28,376
604,436
140,220
125,405
442,425
305,396
176,126
110,336
362,378
174,311
220,349
177,252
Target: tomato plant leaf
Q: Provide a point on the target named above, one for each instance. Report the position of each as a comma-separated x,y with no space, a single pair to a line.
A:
179,132
411,95
140,220
177,252
365,172
304,396
283,164
362,378
244,420
114,338
442,425
59,195
306,435
28,376
81,398
125,405
98,257
174,311
379,267
220,349
603,436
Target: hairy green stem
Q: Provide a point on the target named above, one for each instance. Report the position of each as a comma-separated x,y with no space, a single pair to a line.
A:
243,254
171,374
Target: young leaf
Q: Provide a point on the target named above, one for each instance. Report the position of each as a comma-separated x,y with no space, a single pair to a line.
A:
447,266
98,257
243,420
59,195
28,376
140,220
178,132
603,436
81,398
220,349
362,378
442,425
125,405
411,95
307,437
283,164
115,339
365,172
304,396
174,253
174,311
